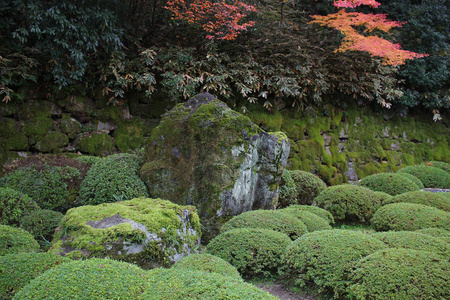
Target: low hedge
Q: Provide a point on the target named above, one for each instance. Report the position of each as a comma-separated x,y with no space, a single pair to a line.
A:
15,240
326,258
437,233
409,217
424,198
181,284
324,214
350,202
399,273
267,219
439,164
308,186
254,252
412,178
431,177
389,183
14,205
19,269
42,224
87,279
287,193
208,263
312,221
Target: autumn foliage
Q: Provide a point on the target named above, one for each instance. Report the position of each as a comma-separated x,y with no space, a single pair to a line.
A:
346,22
220,20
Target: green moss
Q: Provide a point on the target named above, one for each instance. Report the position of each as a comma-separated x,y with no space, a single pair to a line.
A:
269,121
129,135
37,126
52,142
99,144
17,142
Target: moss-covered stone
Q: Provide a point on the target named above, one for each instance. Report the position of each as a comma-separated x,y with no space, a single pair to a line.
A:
81,108
70,126
37,126
129,135
99,144
52,142
17,142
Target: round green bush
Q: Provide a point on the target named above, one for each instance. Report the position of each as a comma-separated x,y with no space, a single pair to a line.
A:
208,263
437,233
326,258
181,284
267,219
114,178
14,206
413,240
88,159
252,251
409,217
349,202
431,177
389,183
19,269
424,198
42,224
312,221
412,178
439,164
287,193
324,214
16,240
308,185
399,273
88,279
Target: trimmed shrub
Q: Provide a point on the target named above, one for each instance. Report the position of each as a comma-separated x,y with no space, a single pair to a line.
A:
326,258
15,240
14,206
181,284
287,193
439,164
19,269
308,185
324,214
349,202
399,273
409,217
42,224
424,198
413,240
208,263
267,219
431,177
412,178
88,159
88,279
437,233
114,178
389,183
253,252
312,221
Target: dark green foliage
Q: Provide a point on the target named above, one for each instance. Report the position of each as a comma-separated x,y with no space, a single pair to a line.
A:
413,178
208,263
14,206
437,232
349,202
42,224
439,164
19,269
180,284
287,193
399,273
409,216
89,279
267,219
325,258
423,197
324,214
254,252
112,179
390,183
15,240
89,159
312,221
413,240
431,177
308,185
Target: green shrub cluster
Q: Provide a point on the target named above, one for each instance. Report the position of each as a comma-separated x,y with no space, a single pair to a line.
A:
312,221
114,178
208,263
413,240
350,202
87,279
409,217
431,177
19,269
439,164
287,193
412,178
42,224
268,219
399,273
181,284
254,252
389,183
324,214
424,198
14,206
15,240
326,258
88,159
308,185
436,232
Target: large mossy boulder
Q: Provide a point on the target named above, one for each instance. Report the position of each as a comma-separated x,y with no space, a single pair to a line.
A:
148,232
205,154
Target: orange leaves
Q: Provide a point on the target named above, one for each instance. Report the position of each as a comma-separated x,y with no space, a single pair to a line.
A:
354,41
219,19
